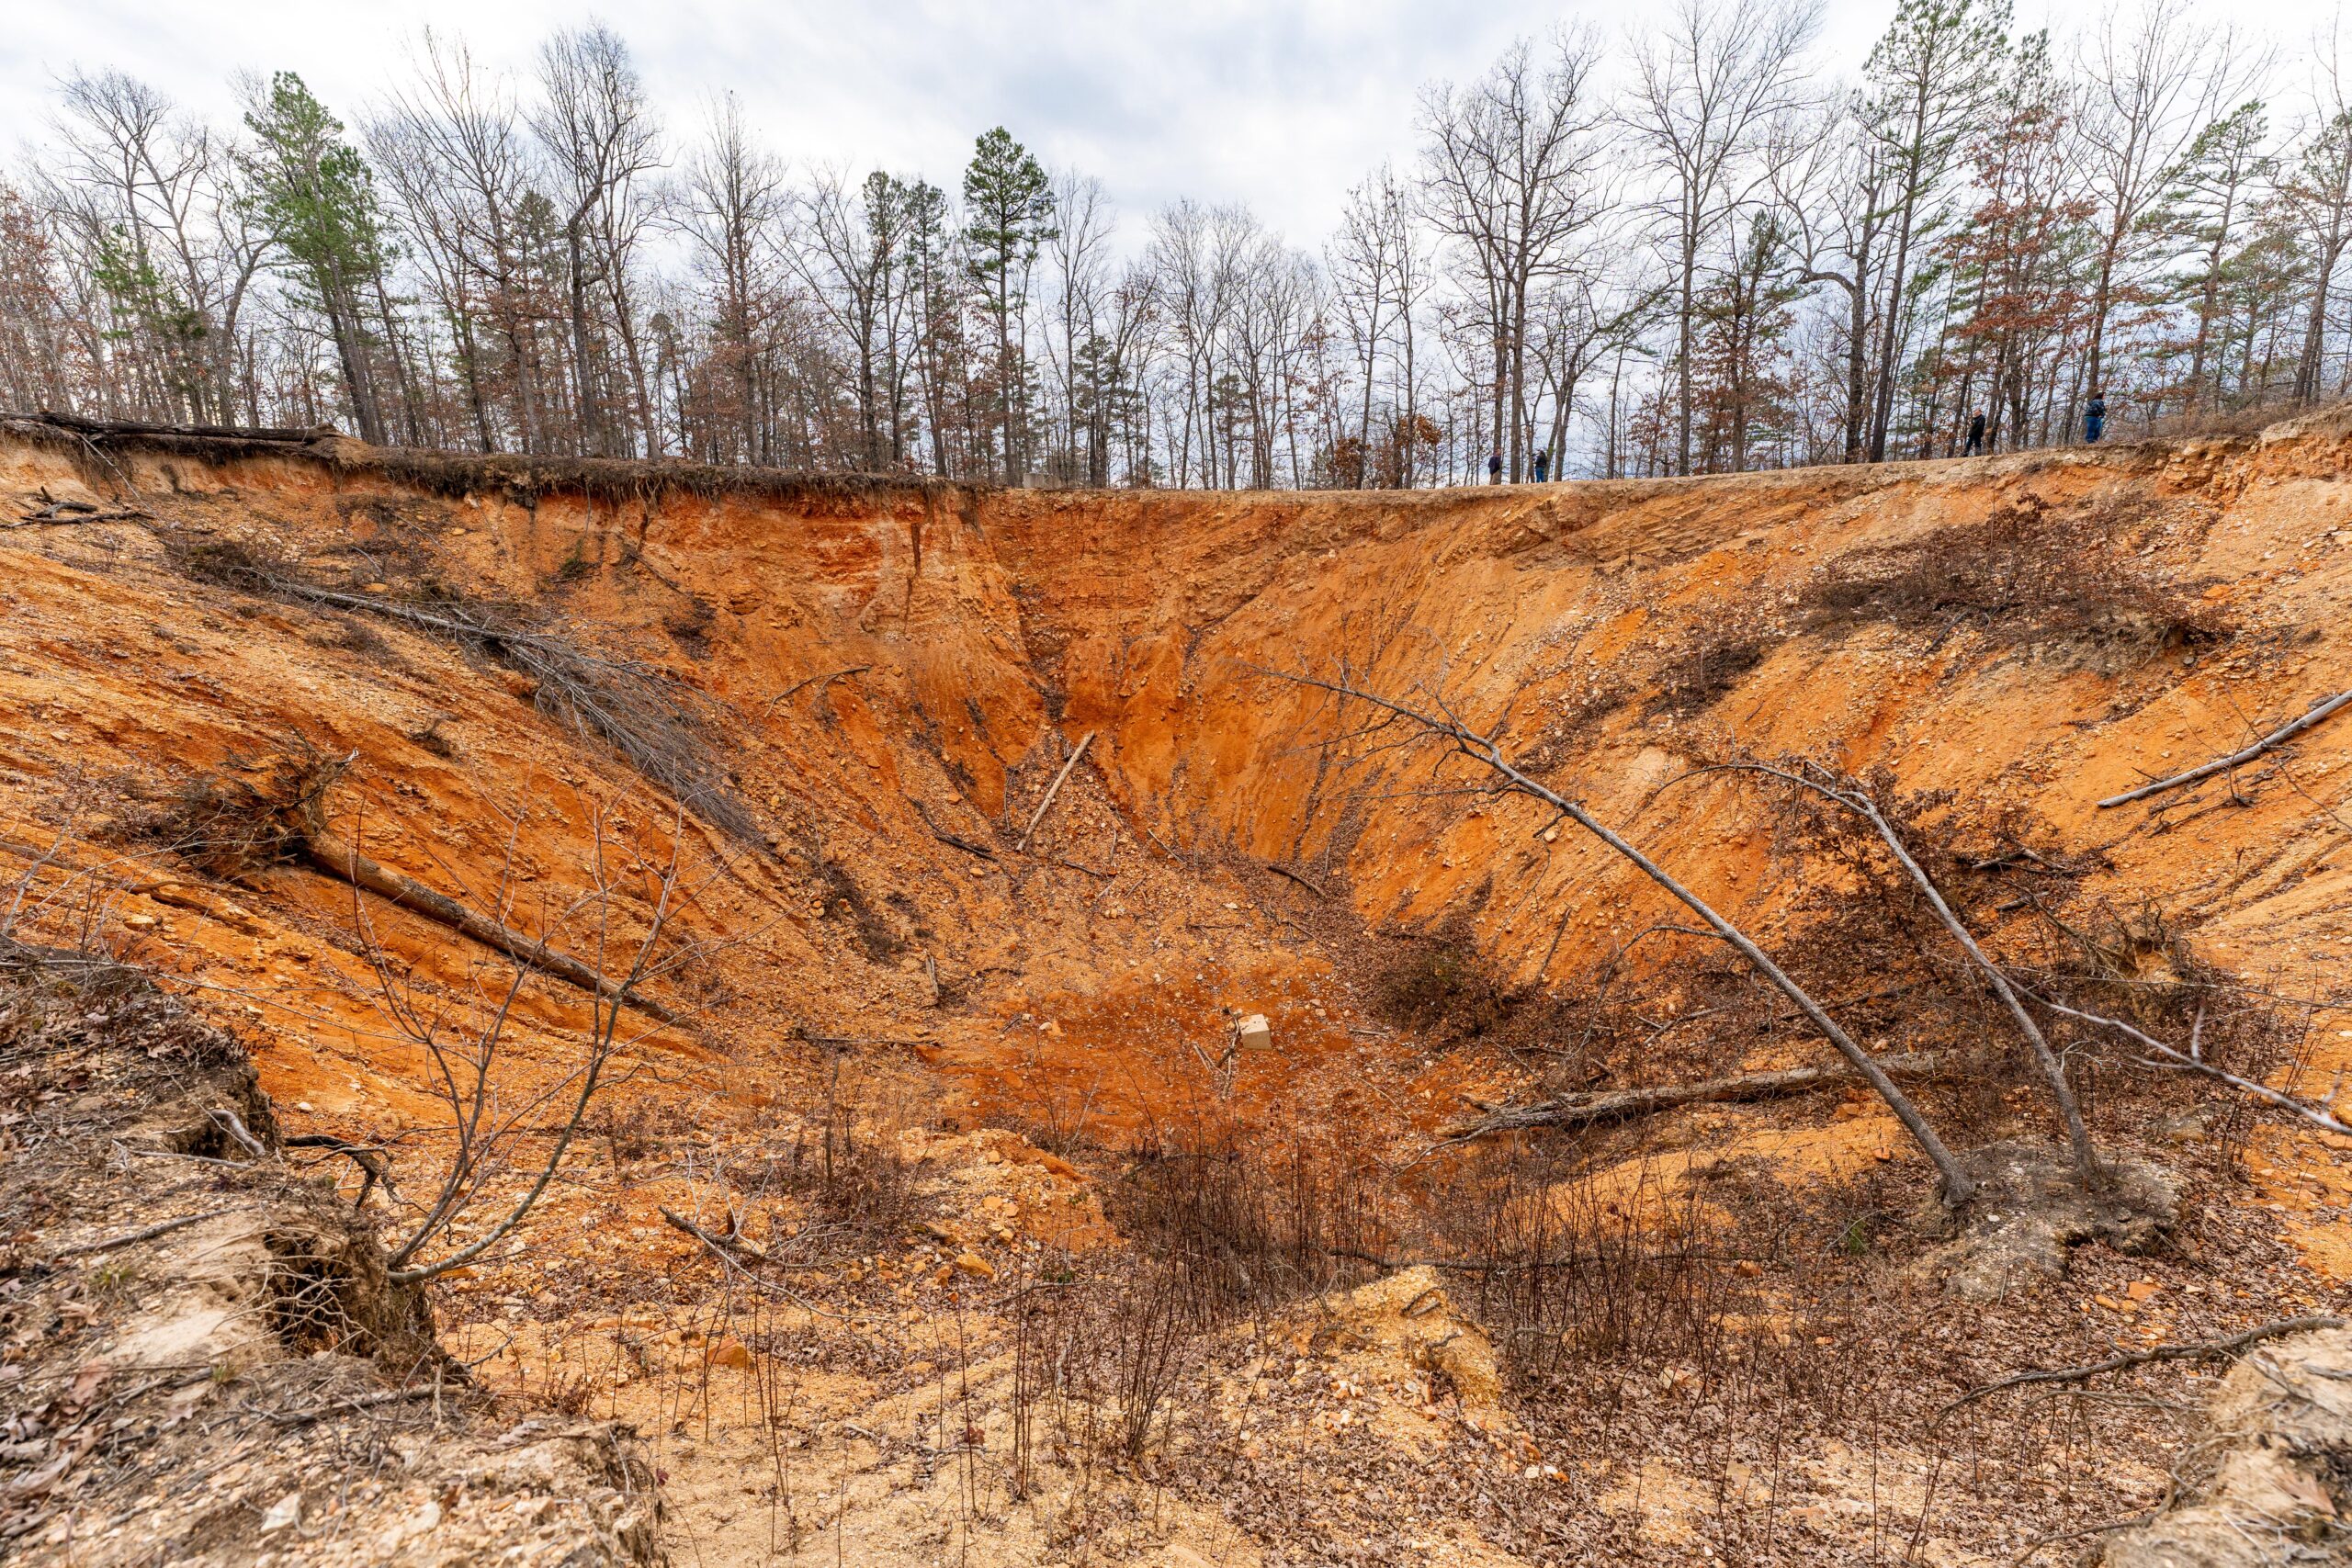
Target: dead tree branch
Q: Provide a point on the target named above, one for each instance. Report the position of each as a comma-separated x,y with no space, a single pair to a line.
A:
1052,790
369,1157
1446,729
2221,1347
2194,1061
1283,871
328,853
2277,737
785,695
734,1244
1850,796
1624,1104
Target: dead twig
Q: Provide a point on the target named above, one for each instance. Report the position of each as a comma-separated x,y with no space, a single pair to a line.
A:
778,700
719,1250
1052,790
2223,764
69,512
369,1157
1285,871
970,847
734,1244
162,1228
360,1401
2117,1363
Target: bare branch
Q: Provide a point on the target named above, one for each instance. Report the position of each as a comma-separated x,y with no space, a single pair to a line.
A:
2221,1347
1462,740
2284,733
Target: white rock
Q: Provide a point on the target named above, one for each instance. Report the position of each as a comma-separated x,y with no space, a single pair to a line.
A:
284,1514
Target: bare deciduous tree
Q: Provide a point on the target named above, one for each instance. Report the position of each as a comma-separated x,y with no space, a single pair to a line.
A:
1704,90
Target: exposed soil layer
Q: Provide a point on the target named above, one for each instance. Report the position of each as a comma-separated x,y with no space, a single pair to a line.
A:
926,1073
206,1361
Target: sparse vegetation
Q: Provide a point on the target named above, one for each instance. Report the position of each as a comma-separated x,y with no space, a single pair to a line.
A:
2022,577
651,718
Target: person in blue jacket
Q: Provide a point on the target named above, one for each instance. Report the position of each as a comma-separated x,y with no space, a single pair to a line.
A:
1495,469
2094,418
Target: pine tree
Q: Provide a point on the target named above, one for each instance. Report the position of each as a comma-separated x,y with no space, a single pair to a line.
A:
319,199
2210,191
1009,212
1931,79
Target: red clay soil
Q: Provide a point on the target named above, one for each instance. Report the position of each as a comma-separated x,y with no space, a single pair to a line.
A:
881,671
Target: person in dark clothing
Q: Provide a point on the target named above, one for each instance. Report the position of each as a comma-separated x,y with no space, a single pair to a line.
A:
1495,469
2095,419
1975,437
1542,463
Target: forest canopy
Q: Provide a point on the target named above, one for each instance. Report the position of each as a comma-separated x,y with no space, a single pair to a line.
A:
1689,249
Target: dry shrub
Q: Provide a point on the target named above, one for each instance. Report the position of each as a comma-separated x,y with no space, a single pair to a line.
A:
1218,1233
2026,578
223,563
1576,1271
844,1168
1244,1231
1442,984
1694,680
2251,419
431,737
637,1130
248,817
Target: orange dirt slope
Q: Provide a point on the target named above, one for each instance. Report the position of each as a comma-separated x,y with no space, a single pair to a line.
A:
888,676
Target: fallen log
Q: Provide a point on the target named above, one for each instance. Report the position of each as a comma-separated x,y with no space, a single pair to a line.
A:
291,435
2277,737
1622,1104
327,853
71,511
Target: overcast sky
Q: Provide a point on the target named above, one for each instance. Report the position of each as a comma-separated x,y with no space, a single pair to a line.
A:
1281,104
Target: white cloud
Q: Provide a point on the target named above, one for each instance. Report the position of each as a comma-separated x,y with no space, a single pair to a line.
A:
1278,105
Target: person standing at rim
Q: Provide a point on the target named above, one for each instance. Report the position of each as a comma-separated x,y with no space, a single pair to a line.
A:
1975,436
1495,469
2094,418
1542,463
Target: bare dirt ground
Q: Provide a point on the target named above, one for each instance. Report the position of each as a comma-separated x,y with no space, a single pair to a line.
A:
919,1213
